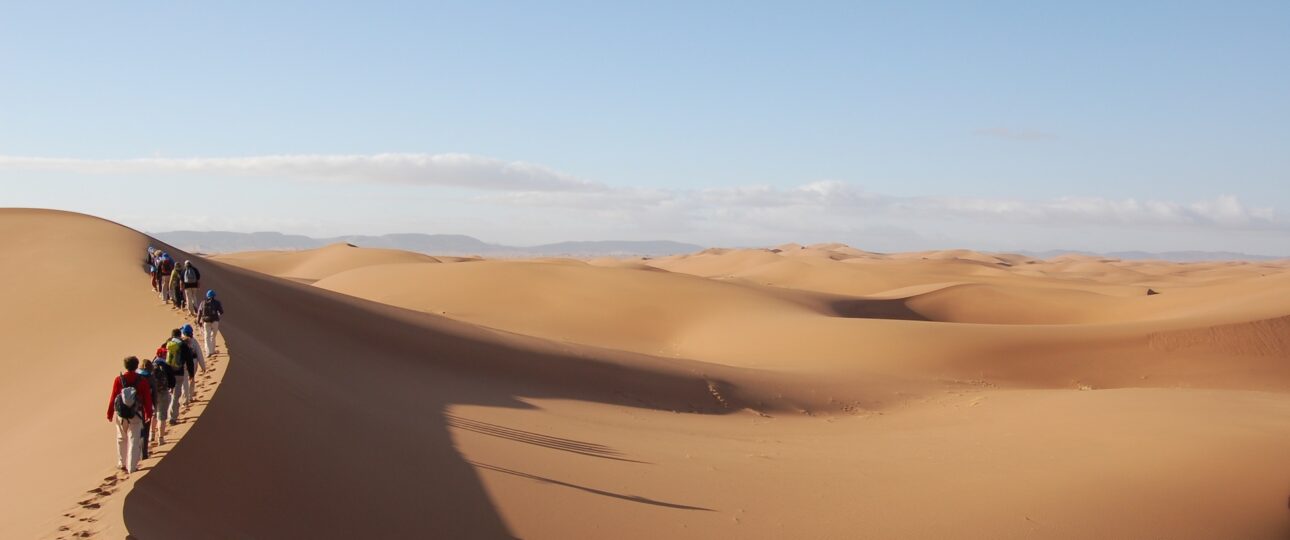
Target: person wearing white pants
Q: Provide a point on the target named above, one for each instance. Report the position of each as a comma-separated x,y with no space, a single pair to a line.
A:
167,289
210,329
175,359
190,299
191,280
129,431
210,313
183,388
199,360
129,443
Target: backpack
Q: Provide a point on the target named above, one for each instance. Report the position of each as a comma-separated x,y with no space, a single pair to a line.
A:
145,371
190,275
187,356
174,358
127,402
162,377
165,266
208,311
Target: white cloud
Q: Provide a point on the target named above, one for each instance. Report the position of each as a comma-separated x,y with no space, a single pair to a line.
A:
547,200
458,170
838,204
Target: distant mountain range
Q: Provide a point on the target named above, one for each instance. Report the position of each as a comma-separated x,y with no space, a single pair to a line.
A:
459,244
1175,256
437,244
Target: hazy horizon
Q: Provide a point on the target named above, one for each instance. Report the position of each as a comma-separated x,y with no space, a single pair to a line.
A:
1049,251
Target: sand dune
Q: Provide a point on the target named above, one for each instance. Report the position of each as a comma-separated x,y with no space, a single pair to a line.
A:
816,391
76,302
1265,337
312,265
607,307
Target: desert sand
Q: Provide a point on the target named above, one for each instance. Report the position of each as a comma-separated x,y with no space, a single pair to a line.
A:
796,392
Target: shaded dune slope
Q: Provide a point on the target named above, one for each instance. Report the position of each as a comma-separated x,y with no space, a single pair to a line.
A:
347,399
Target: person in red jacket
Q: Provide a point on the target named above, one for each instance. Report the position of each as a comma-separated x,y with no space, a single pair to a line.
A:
130,408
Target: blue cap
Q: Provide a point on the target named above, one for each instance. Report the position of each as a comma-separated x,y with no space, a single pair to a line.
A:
187,330
210,293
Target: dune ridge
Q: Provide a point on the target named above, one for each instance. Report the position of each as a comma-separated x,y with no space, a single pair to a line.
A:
811,391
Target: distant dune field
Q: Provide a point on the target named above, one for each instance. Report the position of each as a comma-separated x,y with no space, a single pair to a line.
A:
796,392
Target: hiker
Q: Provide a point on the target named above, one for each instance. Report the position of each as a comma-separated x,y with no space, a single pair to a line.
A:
150,263
157,258
177,285
145,372
130,406
175,353
209,313
183,354
165,266
192,280
195,358
163,383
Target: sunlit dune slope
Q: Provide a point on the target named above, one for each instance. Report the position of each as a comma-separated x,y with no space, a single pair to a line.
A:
76,302
312,265
1035,334
607,307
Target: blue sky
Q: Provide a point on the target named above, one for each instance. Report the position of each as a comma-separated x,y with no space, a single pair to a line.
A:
887,125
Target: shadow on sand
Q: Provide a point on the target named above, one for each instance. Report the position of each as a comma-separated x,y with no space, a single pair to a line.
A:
332,422
632,498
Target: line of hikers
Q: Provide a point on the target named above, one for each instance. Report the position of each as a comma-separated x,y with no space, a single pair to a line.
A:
147,396
176,283
180,285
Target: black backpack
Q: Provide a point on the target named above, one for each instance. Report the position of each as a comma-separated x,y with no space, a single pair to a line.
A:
162,375
210,310
187,358
127,412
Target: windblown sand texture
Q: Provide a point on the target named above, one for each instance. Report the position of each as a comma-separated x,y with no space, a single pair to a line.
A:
796,392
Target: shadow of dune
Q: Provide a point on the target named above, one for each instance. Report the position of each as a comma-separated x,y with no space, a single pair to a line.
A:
331,421
632,498
537,439
860,308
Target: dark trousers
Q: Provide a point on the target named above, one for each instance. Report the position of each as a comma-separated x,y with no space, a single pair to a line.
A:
147,432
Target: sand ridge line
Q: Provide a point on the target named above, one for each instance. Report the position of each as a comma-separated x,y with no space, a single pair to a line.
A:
80,521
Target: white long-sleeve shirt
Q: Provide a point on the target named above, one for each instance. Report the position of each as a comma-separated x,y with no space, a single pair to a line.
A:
197,351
